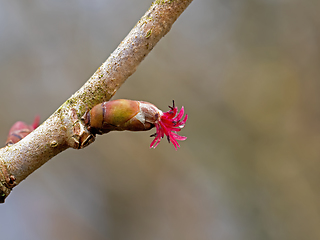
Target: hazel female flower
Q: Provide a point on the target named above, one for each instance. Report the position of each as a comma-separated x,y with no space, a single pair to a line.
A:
169,123
123,114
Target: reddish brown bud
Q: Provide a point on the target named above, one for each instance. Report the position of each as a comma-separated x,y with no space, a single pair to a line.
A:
121,114
20,130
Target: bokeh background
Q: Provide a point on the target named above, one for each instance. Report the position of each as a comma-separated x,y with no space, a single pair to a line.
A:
247,73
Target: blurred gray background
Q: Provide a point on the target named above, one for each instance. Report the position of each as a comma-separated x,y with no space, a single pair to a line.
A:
247,73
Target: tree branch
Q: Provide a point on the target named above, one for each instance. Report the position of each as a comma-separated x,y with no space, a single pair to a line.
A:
64,128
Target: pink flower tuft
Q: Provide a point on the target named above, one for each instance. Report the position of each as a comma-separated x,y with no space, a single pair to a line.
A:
169,123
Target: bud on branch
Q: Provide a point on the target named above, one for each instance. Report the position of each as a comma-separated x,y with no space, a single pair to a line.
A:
20,130
123,114
64,128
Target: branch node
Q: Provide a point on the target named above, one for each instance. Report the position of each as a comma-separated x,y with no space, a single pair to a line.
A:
81,136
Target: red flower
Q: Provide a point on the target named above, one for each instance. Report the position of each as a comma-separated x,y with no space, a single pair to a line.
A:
169,123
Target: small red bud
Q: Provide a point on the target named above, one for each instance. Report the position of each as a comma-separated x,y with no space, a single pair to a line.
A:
20,129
